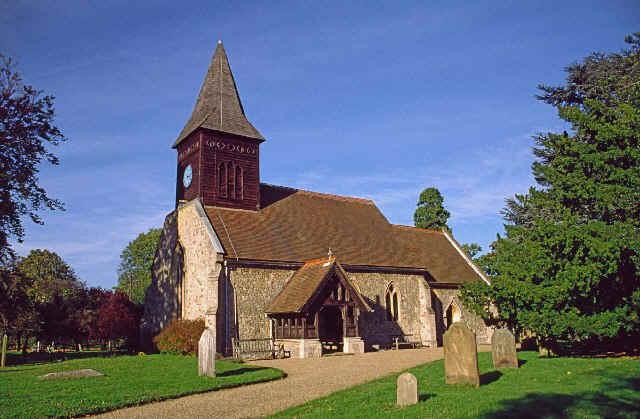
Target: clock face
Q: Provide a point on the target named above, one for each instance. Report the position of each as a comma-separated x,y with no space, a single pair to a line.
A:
187,176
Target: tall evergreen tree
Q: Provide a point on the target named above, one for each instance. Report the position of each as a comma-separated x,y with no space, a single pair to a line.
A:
430,211
568,268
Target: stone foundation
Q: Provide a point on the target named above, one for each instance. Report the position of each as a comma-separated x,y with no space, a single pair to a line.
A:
353,345
302,348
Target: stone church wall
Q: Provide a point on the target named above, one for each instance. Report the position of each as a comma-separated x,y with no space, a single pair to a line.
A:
249,291
202,264
161,301
375,328
184,280
443,298
252,289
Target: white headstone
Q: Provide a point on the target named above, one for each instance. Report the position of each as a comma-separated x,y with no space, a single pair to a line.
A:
207,353
407,390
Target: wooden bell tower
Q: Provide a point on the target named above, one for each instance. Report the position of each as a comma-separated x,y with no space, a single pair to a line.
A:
219,149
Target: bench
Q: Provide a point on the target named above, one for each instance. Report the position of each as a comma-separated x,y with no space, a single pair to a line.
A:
258,349
410,341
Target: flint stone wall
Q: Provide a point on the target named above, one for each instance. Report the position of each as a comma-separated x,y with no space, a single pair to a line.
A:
412,301
244,295
185,273
161,303
249,290
442,298
202,265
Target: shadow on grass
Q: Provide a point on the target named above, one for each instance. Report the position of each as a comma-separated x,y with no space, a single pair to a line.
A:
489,377
521,362
619,398
423,397
239,371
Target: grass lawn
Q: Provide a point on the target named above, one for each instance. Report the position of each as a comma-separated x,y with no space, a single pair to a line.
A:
552,388
128,380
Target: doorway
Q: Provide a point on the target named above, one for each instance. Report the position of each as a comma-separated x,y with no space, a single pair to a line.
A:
330,328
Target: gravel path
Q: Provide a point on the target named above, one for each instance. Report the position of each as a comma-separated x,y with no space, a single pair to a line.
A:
307,379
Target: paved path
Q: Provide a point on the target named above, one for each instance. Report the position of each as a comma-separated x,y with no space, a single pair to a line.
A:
307,379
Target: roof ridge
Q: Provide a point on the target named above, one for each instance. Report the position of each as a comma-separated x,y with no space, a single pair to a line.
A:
324,194
219,207
425,230
319,260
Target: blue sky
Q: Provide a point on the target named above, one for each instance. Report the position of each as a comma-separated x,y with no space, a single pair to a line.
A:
368,99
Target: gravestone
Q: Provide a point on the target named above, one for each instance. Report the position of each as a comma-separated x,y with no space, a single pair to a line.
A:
461,356
71,374
503,349
207,353
407,390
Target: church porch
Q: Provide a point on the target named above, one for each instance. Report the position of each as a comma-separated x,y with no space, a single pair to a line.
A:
318,312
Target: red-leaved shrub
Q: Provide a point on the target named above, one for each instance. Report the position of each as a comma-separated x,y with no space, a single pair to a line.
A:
180,337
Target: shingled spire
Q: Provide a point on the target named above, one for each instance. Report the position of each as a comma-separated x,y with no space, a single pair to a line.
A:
218,106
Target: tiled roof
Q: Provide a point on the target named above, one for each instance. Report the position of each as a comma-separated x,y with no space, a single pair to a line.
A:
305,284
300,287
296,226
218,106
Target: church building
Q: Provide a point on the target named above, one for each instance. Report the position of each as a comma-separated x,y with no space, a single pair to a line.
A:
313,271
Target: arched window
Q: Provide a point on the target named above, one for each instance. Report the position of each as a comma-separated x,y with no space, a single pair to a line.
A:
392,304
222,180
239,183
394,307
453,314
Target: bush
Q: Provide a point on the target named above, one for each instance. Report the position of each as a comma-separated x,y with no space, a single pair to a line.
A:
180,337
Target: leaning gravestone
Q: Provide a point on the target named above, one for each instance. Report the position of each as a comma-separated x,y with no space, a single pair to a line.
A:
407,390
503,349
207,354
461,356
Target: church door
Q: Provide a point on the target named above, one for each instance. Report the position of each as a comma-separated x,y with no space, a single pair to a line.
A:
330,324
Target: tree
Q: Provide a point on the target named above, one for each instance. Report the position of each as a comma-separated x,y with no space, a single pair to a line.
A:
568,267
118,318
471,249
134,273
430,211
86,312
49,275
26,130
18,314
54,291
